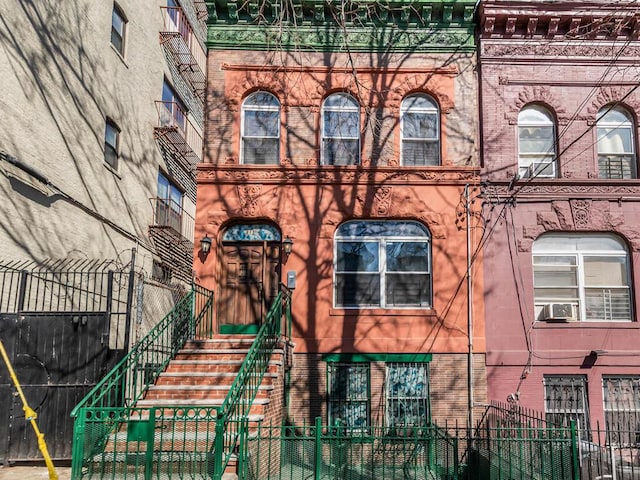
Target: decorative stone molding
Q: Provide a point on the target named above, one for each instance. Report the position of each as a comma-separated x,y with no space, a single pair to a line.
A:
389,203
577,215
242,174
612,94
560,50
416,83
535,94
588,190
580,213
249,195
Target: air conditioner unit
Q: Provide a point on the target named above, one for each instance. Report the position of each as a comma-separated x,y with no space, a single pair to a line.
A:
559,311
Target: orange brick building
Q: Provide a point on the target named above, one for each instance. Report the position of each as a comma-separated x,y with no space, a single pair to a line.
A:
357,147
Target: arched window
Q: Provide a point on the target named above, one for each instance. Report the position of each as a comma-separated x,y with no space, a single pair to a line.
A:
616,146
581,277
340,130
536,142
420,130
260,129
382,264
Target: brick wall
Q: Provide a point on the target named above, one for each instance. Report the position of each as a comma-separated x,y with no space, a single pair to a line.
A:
447,379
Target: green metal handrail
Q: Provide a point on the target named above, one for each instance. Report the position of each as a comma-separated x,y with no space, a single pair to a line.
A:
131,377
128,381
232,415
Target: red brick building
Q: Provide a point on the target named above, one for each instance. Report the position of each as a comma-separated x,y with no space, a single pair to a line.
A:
560,104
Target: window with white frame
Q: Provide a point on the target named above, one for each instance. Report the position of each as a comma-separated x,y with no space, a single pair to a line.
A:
382,264
407,394
174,112
169,204
349,395
111,144
260,130
565,399
581,277
621,394
616,146
340,130
536,143
420,129
118,29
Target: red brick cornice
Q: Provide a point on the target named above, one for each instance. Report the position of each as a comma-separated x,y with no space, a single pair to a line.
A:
568,20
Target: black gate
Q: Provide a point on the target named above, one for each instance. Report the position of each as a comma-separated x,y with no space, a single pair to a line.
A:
64,326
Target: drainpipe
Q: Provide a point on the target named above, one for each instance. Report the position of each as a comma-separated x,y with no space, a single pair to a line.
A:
467,204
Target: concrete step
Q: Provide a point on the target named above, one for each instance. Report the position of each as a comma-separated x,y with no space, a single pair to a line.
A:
192,392
204,378
211,365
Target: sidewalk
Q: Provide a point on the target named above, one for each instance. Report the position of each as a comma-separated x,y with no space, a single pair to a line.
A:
32,473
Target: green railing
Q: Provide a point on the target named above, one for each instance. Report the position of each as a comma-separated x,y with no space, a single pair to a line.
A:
511,442
234,414
318,452
116,394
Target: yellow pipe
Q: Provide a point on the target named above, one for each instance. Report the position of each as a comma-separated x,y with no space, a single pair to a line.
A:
30,415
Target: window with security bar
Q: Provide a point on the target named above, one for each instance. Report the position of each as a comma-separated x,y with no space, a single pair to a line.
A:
349,395
581,277
407,395
621,396
565,399
615,142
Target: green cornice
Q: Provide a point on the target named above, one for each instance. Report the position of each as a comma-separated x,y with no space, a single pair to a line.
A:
377,357
325,26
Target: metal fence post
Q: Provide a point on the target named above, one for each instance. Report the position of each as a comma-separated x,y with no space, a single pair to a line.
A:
77,452
318,450
219,447
574,450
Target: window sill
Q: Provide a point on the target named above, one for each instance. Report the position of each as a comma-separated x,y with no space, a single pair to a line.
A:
382,312
124,62
578,324
112,170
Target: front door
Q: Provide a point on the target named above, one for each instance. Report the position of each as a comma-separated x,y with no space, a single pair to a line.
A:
250,275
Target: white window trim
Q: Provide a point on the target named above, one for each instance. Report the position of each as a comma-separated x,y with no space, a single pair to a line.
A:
382,268
324,136
628,126
432,110
581,287
525,159
259,108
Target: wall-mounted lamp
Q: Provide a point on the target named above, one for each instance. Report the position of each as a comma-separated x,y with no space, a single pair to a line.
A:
287,246
205,244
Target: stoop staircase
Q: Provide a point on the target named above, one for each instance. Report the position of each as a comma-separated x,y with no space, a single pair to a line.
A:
203,371
200,376
183,402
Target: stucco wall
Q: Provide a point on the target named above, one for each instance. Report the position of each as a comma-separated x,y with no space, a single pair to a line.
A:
61,80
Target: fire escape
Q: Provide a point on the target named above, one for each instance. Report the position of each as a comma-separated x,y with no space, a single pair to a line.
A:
178,39
175,131
180,140
172,234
